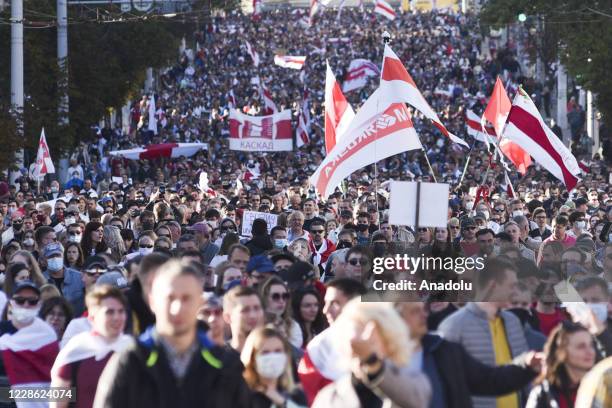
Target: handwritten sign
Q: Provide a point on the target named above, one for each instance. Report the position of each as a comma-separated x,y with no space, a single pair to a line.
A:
249,216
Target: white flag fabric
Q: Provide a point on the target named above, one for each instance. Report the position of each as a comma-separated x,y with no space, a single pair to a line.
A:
372,136
385,9
396,85
44,164
254,55
269,105
474,128
154,151
270,133
288,61
152,118
526,128
358,73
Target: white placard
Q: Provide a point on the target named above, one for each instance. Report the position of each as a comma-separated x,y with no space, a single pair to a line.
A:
249,216
433,209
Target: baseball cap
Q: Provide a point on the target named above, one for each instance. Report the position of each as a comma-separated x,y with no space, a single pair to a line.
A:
297,274
25,284
261,264
53,248
213,301
480,216
467,222
113,278
95,262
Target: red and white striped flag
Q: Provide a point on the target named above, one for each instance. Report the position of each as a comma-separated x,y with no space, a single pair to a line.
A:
268,102
474,128
152,117
584,166
288,61
357,74
44,164
170,150
314,8
338,112
28,355
526,128
254,55
509,187
301,133
384,8
397,85
257,5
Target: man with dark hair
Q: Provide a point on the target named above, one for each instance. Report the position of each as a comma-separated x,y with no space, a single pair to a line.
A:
187,242
363,228
174,363
279,237
239,256
594,293
358,263
311,210
486,243
560,232
578,222
543,231
320,246
489,334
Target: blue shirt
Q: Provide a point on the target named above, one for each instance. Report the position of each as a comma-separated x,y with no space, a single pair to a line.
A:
72,288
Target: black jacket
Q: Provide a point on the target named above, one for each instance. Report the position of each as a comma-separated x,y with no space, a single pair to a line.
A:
142,377
463,376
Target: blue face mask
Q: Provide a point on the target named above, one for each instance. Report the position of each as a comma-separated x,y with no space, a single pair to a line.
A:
280,243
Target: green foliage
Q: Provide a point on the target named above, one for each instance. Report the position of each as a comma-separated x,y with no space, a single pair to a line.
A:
106,63
576,31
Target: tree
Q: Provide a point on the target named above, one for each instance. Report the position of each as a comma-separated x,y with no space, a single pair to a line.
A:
107,61
582,38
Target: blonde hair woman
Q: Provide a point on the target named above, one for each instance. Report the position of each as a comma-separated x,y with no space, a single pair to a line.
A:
267,370
378,350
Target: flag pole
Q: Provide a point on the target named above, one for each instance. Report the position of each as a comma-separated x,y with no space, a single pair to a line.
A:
467,162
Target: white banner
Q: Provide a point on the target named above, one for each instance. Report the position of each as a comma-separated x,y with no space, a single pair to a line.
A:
433,204
270,133
249,216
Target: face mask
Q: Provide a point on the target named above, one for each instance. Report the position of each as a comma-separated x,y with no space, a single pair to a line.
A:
29,242
469,205
145,251
76,238
54,189
280,243
580,225
147,226
362,227
69,221
600,310
271,365
228,285
17,226
55,264
517,213
23,315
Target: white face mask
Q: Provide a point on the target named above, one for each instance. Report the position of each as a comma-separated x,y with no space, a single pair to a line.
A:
23,315
280,243
581,225
469,205
75,238
55,264
29,242
600,310
517,213
145,251
271,365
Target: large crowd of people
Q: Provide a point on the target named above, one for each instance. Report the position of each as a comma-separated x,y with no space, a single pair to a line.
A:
132,281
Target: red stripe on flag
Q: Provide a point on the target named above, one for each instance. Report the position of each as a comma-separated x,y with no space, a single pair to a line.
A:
531,127
156,151
30,366
393,70
385,8
478,127
283,129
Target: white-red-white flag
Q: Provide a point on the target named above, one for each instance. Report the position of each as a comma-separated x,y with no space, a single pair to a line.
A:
257,6
231,100
169,150
373,135
397,85
314,9
254,55
260,133
152,116
289,61
385,9
301,133
357,75
338,112
475,129
29,353
44,164
269,105
526,128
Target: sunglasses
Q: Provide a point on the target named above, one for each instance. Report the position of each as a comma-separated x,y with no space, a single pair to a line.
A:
23,300
163,235
355,261
278,296
212,312
455,227
319,231
422,229
145,246
230,228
